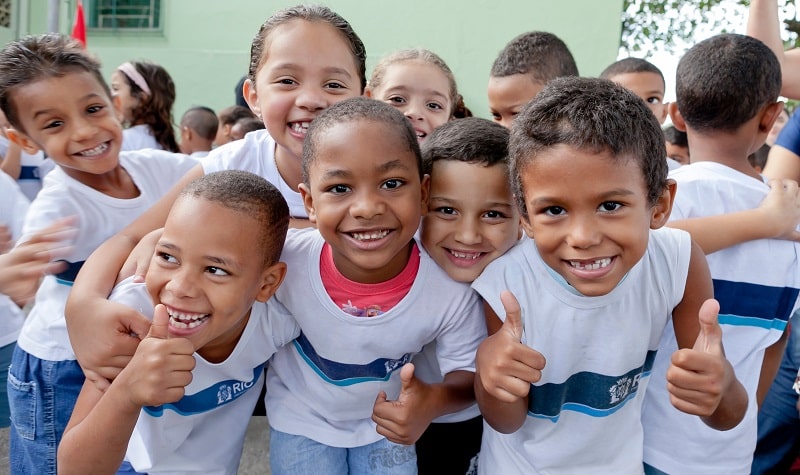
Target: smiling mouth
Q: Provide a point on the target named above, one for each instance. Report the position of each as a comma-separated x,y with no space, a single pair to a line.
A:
465,255
370,236
299,127
185,320
93,152
591,265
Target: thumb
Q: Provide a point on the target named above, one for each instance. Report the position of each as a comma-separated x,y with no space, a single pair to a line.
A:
709,339
406,377
513,322
160,326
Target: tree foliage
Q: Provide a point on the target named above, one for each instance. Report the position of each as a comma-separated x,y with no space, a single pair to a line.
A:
666,25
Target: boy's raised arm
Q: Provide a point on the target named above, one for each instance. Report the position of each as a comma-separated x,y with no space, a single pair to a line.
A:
763,24
505,368
102,333
700,380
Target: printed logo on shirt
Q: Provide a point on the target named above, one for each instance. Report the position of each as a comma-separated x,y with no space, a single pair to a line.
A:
368,311
210,398
345,374
593,394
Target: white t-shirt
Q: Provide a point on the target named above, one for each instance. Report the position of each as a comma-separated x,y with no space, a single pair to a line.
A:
757,284
255,153
12,214
324,385
33,169
100,216
139,137
204,431
584,415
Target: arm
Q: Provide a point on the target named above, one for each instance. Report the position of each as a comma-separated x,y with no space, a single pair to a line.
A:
12,162
96,437
763,23
505,368
100,331
776,217
769,367
404,420
700,380
782,163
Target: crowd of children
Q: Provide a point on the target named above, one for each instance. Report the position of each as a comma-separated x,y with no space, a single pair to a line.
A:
567,288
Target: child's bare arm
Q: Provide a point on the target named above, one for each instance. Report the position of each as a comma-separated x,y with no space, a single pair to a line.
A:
100,331
96,437
12,162
700,380
404,420
763,23
769,367
505,369
776,217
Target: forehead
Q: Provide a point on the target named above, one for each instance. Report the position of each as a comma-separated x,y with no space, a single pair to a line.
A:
514,88
641,82
301,42
57,92
415,71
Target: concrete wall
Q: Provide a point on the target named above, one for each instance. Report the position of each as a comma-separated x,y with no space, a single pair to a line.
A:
205,44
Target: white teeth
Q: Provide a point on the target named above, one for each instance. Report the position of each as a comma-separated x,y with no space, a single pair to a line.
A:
465,255
93,152
370,236
186,320
300,127
421,134
597,264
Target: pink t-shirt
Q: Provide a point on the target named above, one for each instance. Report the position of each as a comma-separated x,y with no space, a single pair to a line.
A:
366,300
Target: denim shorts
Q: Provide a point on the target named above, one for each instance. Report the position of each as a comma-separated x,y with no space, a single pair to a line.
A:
5,361
41,396
297,455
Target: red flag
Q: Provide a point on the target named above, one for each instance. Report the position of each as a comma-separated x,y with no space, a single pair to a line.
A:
79,25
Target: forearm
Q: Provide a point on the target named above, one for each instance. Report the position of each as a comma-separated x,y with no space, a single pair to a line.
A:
731,408
453,394
12,163
504,417
97,443
769,367
714,233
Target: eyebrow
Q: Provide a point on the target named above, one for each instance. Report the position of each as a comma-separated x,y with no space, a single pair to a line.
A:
432,92
328,69
89,96
396,164
447,200
610,194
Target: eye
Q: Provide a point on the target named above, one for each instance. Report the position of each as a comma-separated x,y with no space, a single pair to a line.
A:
167,258
94,109
217,270
609,206
653,100
494,214
286,82
53,124
335,85
447,210
554,211
434,106
392,184
338,189
496,117
396,100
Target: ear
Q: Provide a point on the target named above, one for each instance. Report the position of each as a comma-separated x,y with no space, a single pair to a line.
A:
186,133
677,118
271,280
368,92
663,206
527,226
425,190
251,97
25,143
769,115
308,202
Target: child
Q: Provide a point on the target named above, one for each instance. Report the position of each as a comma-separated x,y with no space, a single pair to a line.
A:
779,124
206,350
596,286
27,169
644,79
418,83
758,159
757,296
471,220
143,95
313,39
198,130
677,147
367,298
244,126
56,101
522,69
227,119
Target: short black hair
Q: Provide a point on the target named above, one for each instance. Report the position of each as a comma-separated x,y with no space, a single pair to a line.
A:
251,195
202,120
356,109
471,140
723,82
675,136
590,114
38,57
542,55
631,65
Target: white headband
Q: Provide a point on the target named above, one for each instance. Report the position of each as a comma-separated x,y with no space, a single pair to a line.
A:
130,71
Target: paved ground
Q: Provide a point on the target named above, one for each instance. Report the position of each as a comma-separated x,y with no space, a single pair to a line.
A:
255,455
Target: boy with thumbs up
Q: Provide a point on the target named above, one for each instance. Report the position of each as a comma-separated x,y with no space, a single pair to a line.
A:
183,402
756,283
587,296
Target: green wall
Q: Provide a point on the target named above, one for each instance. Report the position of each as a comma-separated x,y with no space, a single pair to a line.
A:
205,44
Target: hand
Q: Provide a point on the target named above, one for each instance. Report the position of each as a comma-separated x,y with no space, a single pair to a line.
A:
699,377
506,366
781,209
23,267
404,420
162,366
139,259
5,239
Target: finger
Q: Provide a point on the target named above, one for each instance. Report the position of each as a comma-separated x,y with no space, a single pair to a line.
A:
159,328
379,400
513,311
406,377
709,339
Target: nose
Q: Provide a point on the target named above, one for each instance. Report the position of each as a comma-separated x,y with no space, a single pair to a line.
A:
583,233
468,232
83,129
311,99
181,284
367,205
413,111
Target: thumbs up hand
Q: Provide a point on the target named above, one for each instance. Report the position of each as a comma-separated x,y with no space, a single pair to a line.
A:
403,420
161,367
506,366
698,377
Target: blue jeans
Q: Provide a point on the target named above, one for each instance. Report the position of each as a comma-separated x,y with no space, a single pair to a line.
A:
297,455
778,420
41,396
5,361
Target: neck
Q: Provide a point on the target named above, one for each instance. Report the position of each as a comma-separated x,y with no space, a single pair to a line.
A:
289,167
116,183
727,148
